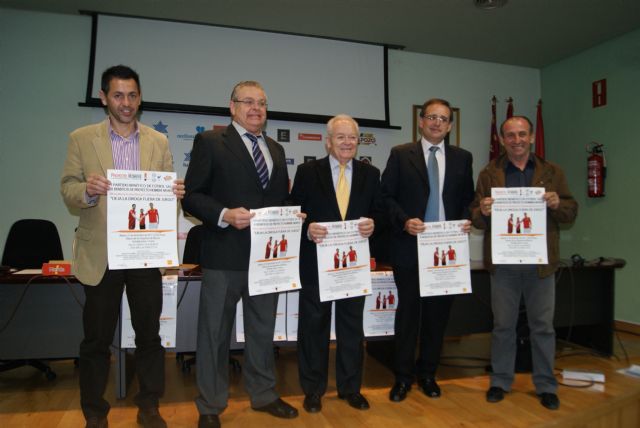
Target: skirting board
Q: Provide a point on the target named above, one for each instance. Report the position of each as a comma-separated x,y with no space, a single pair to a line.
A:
628,327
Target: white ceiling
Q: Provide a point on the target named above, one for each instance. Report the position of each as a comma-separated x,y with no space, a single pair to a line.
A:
532,33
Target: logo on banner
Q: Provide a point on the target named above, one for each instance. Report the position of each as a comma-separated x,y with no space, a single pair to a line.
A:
289,161
187,159
309,137
366,159
161,127
367,138
284,135
309,158
190,137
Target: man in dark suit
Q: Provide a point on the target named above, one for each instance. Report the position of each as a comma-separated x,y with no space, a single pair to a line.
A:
232,171
427,180
334,188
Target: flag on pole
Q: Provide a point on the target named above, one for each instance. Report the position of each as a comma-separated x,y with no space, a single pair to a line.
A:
509,108
494,145
539,131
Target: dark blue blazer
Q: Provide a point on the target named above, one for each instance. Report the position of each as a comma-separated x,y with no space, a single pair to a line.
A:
405,191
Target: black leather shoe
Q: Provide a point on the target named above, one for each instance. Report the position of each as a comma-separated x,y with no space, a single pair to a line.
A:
279,409
355,400
399,391
549,400
430,387
97,422
209,421
312,403
495,394
150,418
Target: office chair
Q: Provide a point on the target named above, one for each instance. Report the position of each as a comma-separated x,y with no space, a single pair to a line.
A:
192,245
30,243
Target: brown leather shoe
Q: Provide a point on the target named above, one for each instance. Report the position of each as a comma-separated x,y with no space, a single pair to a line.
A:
97,422
150,418
279,409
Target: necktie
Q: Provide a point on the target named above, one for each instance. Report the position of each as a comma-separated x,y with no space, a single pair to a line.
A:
342,192
433,203
258,159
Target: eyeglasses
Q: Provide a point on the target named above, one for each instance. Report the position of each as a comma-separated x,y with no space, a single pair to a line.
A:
252,103
436,118
341,138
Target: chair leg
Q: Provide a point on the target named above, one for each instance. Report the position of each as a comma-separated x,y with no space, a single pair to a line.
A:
40,365
43,367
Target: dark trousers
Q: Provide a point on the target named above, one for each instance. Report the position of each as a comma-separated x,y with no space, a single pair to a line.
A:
425,317
314,328
99,319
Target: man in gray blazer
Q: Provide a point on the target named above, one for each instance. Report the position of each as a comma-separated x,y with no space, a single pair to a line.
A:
232,171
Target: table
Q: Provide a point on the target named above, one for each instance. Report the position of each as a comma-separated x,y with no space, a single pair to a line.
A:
48,323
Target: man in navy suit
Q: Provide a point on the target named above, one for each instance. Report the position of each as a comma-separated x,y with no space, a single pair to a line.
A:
317,188
426,180
232,171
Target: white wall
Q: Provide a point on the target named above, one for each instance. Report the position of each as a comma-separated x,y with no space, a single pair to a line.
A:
43,77
467,85
44,62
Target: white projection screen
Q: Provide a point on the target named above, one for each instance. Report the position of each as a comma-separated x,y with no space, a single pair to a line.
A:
183,65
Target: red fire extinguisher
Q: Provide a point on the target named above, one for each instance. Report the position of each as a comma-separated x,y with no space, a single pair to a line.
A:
596,170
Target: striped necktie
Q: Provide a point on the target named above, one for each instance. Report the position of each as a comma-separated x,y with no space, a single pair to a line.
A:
258,159
433,203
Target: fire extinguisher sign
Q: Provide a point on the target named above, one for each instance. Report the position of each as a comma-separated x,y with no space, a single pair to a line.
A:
599,93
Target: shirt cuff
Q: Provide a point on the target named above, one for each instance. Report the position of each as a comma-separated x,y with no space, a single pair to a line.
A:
90,200
221,223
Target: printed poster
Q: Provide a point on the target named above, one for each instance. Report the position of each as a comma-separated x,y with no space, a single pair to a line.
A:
380,307
518,225
443,259
275,250
141,219
168,317
280,331
343,262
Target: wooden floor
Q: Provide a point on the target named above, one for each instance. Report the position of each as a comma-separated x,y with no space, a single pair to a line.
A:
27,399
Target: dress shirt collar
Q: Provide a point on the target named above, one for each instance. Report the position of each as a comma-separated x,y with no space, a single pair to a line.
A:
243,131
113,134
335,165
426,145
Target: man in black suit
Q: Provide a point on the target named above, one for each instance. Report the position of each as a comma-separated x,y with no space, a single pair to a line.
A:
427,180
318,188
232,171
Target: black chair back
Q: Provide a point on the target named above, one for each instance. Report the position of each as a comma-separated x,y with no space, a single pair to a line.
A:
192,245
30,243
